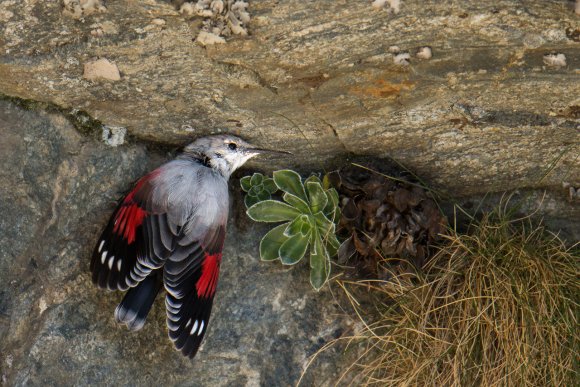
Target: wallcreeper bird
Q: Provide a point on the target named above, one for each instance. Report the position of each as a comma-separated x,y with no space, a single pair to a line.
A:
169,231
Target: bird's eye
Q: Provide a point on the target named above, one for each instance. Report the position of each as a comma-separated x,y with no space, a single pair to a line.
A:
232,146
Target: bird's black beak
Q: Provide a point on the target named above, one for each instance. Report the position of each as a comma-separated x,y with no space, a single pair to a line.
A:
272,151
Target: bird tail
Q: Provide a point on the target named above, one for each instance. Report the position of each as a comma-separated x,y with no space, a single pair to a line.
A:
137,303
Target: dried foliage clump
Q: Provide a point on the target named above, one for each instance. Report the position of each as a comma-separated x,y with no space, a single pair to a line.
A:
222,18
498,306
386,222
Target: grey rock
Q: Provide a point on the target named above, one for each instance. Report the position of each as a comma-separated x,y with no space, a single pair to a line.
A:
58,190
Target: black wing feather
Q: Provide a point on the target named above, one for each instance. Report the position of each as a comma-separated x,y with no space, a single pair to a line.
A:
188,312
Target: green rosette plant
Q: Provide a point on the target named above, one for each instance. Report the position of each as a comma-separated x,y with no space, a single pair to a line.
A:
257,188
310,213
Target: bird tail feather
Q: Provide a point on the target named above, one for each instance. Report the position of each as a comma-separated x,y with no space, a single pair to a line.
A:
136,304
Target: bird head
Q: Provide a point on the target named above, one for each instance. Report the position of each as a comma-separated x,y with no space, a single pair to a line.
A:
225,153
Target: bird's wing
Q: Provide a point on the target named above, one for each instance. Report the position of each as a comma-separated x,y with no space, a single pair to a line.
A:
191,283
125,239
191,272
175,218
144,228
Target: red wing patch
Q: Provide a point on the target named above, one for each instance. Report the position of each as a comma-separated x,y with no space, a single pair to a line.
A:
130,215
127,220
207,282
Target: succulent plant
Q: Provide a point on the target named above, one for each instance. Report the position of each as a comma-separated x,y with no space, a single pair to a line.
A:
257,188
310,212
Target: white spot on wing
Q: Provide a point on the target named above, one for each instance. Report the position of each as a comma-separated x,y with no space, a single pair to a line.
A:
194,328
103,256
200,328
101,245
119,262
188,323
111,260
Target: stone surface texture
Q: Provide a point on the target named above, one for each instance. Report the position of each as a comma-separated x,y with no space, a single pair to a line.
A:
56,328
484,114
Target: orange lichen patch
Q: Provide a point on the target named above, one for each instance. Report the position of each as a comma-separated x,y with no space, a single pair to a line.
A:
383,89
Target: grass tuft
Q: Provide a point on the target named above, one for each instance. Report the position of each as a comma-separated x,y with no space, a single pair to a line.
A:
496,306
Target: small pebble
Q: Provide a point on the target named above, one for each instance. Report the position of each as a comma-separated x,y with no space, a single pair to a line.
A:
101,69
555,60
402,59
424,53
207,38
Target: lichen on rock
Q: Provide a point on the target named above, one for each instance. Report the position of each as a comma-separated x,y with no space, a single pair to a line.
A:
114,135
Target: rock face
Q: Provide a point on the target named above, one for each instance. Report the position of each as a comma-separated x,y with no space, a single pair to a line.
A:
483,114
494,107
56,328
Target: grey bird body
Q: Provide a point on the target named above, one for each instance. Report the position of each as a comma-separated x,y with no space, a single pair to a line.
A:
169,232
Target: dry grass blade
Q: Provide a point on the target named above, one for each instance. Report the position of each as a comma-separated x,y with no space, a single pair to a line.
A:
499,306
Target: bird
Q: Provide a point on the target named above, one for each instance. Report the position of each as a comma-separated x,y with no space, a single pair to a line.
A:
168,232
